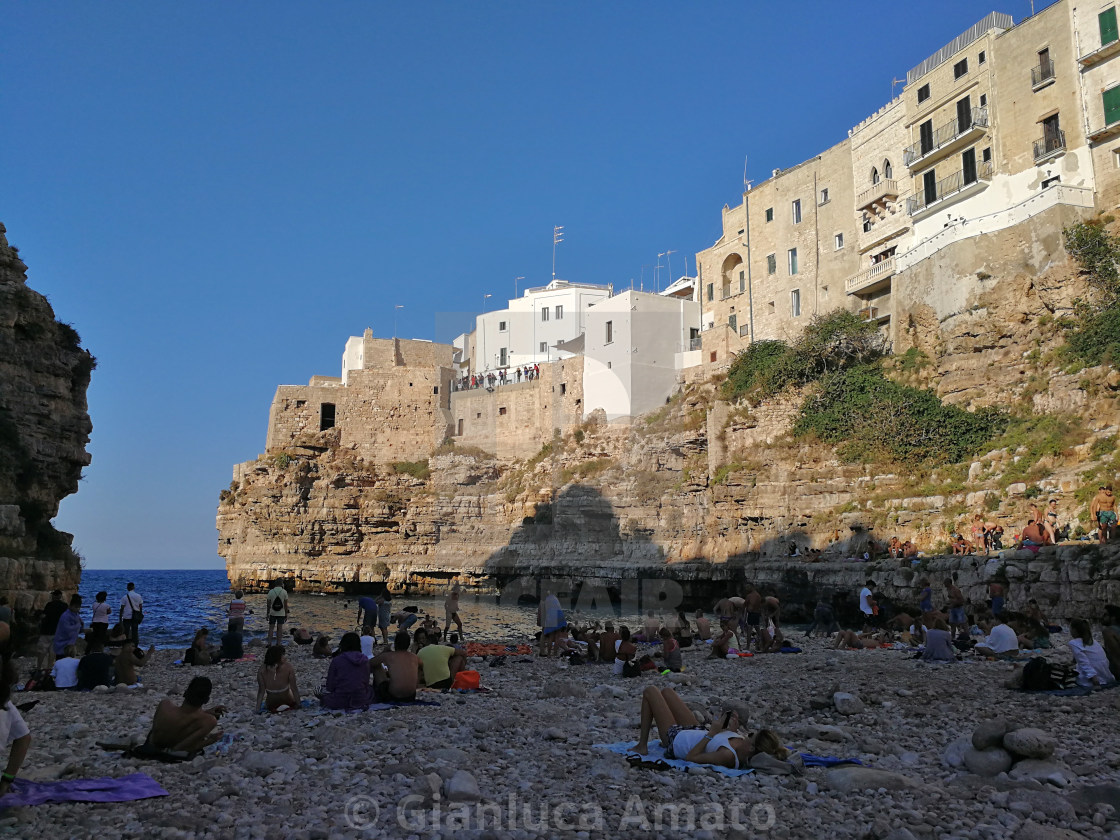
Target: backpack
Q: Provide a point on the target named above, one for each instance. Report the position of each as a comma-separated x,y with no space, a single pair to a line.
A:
1036,675
277,605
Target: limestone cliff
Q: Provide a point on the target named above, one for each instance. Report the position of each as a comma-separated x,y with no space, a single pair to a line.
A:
704,491
44,429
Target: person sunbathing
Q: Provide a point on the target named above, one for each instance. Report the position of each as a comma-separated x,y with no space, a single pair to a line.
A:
851,640
724,744
301,635
187,727
276,682
396,673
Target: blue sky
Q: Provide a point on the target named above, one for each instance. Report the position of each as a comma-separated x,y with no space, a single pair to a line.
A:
216,195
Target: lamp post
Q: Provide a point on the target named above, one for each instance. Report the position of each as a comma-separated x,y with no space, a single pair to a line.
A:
515,280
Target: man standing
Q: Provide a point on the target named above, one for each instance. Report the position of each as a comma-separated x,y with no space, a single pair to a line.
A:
385,614
867,604
367,611
958,621
52,612
451,611
69,626
1103,510
277,613
132,613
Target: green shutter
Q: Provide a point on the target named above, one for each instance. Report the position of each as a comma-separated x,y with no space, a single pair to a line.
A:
1112,106
1109,31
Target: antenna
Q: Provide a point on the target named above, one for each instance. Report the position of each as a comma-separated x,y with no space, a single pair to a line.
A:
557,238
896,82
669,257
746,183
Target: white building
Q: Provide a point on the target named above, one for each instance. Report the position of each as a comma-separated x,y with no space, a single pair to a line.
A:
528,330
635,344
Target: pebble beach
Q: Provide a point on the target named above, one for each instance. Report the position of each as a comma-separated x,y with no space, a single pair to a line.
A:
521,760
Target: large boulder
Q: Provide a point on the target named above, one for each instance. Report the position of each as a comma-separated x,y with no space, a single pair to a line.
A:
461,787
989,762
1029,743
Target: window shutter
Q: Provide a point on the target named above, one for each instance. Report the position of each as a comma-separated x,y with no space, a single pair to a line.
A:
1112,106
1109,31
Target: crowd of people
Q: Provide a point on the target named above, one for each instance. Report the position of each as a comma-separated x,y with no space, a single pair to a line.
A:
494,379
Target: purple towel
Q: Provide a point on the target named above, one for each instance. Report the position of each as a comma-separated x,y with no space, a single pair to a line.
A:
124,789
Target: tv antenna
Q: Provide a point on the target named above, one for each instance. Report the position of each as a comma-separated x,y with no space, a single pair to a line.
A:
746,183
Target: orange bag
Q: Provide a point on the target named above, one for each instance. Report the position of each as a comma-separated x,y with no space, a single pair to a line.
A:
467,680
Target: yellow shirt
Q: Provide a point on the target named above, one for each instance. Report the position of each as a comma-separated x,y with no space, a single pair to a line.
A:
434,658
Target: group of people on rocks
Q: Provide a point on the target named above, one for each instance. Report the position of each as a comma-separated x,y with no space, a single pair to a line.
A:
504,376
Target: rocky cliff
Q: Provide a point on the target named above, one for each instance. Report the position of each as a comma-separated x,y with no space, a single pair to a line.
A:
704,491
44,429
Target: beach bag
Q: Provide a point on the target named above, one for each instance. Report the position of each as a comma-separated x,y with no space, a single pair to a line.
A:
1036,675
631,669
137,614
467,681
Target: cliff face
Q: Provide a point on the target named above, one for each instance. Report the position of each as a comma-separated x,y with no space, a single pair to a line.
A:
44,429
707,492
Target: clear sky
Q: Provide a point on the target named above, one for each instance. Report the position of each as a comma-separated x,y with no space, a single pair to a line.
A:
217,195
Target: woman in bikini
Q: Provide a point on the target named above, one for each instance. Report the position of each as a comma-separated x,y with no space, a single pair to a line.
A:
276,682
683,738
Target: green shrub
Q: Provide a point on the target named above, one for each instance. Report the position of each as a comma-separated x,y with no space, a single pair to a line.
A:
1093,332
913,360
869,417
416,469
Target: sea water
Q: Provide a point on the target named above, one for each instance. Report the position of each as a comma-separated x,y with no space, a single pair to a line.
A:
178,602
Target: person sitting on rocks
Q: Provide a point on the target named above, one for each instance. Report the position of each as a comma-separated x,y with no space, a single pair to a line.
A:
721,645
1001,641
302,635
683,633
440,664
189,727
624,650
1032,538
1088,656
671,650
127,661
233,644
651,628
607,641
276,682
65,670
1032,634
199,652
396,672
419,639
939,643
909,550
347,685
322,649
961,545
894,547
703,626
95,668
770,640
682,736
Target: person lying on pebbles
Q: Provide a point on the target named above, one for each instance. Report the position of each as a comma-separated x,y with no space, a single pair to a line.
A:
188,727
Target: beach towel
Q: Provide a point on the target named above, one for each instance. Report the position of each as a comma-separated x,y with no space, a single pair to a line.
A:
374,707
790,649
657,754
1076,691
125,789
826,761
143,751
497,649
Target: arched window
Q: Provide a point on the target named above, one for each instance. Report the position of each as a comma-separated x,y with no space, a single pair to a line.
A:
888,173
874,175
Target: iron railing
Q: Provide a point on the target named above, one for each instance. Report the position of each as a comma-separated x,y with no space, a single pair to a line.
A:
947,186
978,118
695,343
1049,143
1043,73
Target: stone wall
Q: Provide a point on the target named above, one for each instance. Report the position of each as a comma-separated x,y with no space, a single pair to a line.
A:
44,429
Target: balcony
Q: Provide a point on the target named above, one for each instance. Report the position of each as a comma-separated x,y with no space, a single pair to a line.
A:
955,134
875,276
1050,145
1104,53
1105,132
1042,75
956,185
882,192
696,343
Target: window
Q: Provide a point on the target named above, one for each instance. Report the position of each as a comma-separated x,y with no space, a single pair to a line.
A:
326,416
733,322
478,416
797,211
866,224
792,261
929,186
874,175
839,241
964,114
960,68
824,196
563,388
1045,68
772,261
742,281
544,314
980,59
503,357
711,291
968,166
983,100
559,313
501,409
795,303
986,155
925,136
460,430
888,170
923,93
1051,134
301,403
435,390
610,326
1107,21
1111,105
1049,182
1116,157
769,214
544,346
712,356
501,326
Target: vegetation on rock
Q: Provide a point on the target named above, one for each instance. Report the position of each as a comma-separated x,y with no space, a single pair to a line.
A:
1093,333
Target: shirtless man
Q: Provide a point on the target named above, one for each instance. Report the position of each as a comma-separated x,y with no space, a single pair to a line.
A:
997,591
451,611
703,627
188,727
1033,534
1103,510
772,610
958,621
396,672
726,614
606,643
650,627
752,619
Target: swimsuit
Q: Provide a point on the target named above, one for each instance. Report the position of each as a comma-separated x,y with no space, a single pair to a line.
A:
1106,517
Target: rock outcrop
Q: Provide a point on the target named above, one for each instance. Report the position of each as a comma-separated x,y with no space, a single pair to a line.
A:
44,429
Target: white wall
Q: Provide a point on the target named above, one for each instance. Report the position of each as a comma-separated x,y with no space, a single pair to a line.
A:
351,357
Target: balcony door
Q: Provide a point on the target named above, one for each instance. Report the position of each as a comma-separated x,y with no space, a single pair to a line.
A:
929,187
964,114
1051,133
968,166
925,135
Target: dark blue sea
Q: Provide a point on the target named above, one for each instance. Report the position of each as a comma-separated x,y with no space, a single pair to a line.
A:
178,602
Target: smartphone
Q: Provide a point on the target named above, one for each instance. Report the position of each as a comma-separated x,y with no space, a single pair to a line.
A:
726,722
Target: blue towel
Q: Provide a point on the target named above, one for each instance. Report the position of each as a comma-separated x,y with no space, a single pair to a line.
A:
657,752
125,789
826,761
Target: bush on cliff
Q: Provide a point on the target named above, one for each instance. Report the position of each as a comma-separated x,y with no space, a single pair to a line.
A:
1093,332
831,342
869,417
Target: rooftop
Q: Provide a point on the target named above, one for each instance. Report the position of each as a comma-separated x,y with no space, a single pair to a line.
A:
995,20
